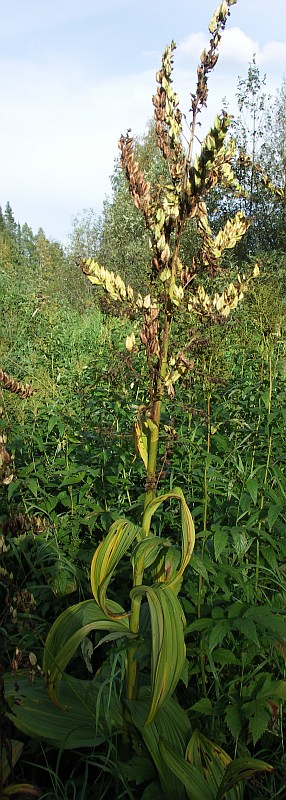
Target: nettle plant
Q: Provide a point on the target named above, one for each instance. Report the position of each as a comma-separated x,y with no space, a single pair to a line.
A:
133,694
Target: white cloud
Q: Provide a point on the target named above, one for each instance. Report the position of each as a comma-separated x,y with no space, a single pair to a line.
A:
60,136
237,47
272,53
193,45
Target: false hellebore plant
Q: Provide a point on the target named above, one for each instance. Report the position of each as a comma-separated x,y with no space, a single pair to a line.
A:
69,712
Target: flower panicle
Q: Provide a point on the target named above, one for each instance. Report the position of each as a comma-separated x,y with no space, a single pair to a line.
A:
222,304
168,117
139,188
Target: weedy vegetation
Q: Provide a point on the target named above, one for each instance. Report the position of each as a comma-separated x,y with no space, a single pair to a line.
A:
143,486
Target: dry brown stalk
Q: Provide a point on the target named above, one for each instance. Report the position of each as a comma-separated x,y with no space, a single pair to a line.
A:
16,387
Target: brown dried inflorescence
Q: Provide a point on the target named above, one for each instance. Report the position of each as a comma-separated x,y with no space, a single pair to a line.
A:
168,118
149,333
16,387
6,460
209,57
139,188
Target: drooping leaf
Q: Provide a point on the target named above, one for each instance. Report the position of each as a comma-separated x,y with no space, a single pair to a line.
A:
147,551
252,488
67,633
188,530
234,719
218,633
168,644
107,555
239,770
16,749
258,721
141,441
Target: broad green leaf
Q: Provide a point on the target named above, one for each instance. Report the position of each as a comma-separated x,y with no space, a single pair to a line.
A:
67,633
168,644
172,724
76,724
147,551
220,542
192,779
252,487
224,656
188,530
211,761
218,633
203,706
106,557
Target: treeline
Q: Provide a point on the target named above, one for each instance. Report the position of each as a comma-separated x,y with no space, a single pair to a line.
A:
118,238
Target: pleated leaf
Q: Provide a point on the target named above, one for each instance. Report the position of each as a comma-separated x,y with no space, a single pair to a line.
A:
67,633
148,550
106,557
80,722
239,770
191,778
168,644
211,761
188,531
171,723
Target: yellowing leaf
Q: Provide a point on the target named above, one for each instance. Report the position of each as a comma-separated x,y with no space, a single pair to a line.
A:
141,442
106,557
168,644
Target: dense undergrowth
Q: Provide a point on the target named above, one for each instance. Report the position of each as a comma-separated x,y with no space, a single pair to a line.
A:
74,473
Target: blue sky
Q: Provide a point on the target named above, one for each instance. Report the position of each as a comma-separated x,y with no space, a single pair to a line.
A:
75,74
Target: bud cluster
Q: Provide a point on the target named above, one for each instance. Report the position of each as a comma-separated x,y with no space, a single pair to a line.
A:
179,366
6,474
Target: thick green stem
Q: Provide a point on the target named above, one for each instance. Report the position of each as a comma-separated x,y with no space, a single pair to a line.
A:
206,499
155,418
153,443
269,449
